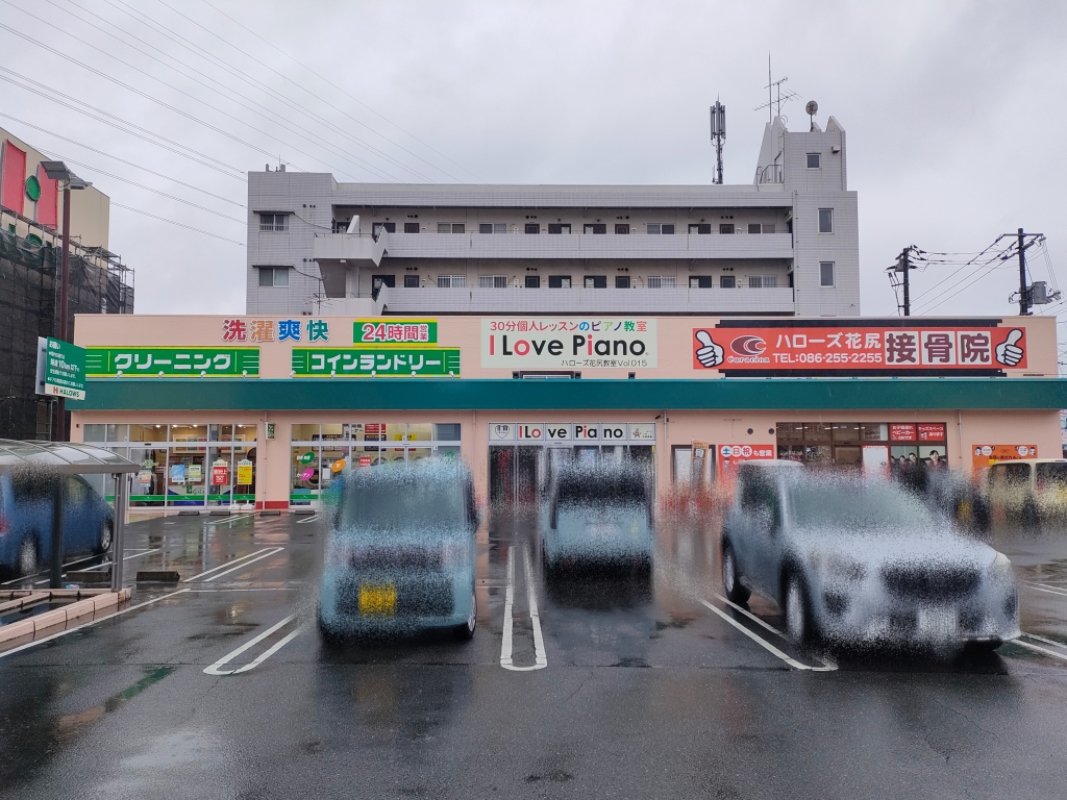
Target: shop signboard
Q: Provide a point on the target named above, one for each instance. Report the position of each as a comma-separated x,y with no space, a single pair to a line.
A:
195,473
177,473
858,348
394,332
220,473
364,461
384,362
984,455
569,343
172,362
931,432
573,432
244,472
902,432
60,369
730,455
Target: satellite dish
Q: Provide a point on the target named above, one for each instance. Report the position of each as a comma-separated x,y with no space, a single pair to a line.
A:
812,108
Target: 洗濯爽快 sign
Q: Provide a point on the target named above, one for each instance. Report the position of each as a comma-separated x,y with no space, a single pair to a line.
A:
569,343
172,362
773,348
60,369
362,362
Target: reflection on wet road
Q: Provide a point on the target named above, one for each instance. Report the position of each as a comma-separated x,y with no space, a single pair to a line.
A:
627,685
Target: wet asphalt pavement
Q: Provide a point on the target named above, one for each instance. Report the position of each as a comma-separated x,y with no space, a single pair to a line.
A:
649,688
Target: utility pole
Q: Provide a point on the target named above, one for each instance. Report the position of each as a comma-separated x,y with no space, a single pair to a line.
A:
64,288
906,266
1024,292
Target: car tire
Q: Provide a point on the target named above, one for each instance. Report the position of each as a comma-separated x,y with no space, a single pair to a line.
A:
26,561
981,648
799,626
465,632
735,592
106,533
327,635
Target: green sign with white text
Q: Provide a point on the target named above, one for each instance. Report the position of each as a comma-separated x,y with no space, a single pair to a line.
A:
172,362
61,369
363,362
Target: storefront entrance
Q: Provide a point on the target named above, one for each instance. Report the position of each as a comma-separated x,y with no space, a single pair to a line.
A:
871,446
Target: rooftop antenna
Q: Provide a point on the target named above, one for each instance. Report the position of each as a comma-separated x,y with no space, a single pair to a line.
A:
774,105
718,135
811,109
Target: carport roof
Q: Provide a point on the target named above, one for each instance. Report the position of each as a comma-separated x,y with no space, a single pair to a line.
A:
65,458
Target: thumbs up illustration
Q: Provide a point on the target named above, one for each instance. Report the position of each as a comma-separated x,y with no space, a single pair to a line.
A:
1008,352
711,354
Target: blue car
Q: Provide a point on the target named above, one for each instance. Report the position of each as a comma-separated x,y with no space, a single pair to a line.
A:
26,521
400,551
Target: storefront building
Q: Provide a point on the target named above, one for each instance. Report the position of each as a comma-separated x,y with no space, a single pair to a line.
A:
262,411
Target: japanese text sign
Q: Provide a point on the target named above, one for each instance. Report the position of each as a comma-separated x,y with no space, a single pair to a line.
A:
983,455
220,474
729,455
902,432
60,369
931,432
859,348
394,331
268,330
172,362
337,362
571,343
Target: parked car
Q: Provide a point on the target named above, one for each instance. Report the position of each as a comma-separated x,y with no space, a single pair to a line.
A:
1031,492
598,518
400,551
26,506
853,560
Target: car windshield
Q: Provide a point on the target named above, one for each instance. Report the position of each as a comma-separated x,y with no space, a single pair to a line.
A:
857,506
402,499
1052,475
600,488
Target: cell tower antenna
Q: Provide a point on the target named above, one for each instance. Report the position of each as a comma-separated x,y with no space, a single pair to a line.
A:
718,136
774,104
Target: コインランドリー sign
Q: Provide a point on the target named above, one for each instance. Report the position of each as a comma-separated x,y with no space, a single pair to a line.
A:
172,362
362,362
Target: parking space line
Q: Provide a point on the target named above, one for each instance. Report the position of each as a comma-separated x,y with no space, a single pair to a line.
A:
306,520
265,551
215,669
125,558
1050,589
1045,640
45,572
1039,649
752,617
229,519
36,642
540,659
828,667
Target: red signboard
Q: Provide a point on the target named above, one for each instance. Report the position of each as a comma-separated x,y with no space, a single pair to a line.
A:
364,461
220,475
982,455
13,187
901,432
730,455
859,348
930,432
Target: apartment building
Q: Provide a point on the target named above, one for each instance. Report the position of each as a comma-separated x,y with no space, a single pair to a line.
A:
785,245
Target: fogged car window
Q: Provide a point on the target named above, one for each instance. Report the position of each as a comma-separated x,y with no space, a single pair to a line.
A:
596,489
1052,475
856,506
402,504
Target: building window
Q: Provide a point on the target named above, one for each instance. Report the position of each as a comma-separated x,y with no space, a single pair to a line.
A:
727,281
660,227
378,227
622,281
622,228
451,227
762,281
492,227
533,227
273,276
768,227
826,273
559,227
451,281
595,227
661,281
533,281
699,281
755,227
726,227
596,281
411,281
492,281
411,227
273,223
700,227
559,281
826,220
814,160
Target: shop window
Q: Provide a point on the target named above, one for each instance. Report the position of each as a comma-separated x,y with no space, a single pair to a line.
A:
148,433
846,432
93,433
874,431
188,433
220,433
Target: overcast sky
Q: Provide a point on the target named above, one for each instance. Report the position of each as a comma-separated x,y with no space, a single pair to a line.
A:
954,113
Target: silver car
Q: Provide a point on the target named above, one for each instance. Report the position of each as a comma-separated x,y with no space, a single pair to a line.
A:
851,560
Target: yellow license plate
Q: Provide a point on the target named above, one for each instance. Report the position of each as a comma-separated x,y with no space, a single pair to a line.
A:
377,600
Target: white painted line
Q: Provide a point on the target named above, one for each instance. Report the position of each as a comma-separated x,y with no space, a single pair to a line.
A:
87,624
1045,650
229,519
245,564
1050,589
540,659
752,617
231,562
767,645
214,669
1043,639
125,558
306,520
45,572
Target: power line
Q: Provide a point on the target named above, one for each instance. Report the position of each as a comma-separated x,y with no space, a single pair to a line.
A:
173,222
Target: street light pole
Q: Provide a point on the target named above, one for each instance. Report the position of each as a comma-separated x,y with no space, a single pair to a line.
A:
64,288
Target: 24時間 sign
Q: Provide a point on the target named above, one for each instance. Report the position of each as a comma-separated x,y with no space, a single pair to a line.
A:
859,348
571,343
343,362
172,362
394,332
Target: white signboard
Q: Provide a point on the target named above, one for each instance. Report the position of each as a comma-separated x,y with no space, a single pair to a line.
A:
528,433
572,343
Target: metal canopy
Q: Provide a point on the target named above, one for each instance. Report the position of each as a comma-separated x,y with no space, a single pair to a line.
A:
63,458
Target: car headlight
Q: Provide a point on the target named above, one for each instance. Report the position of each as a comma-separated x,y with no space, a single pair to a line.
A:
836,566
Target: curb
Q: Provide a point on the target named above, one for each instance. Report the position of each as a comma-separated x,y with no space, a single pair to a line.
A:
77,610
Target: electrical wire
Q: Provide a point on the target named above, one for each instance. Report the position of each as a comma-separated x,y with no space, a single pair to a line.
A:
174,222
